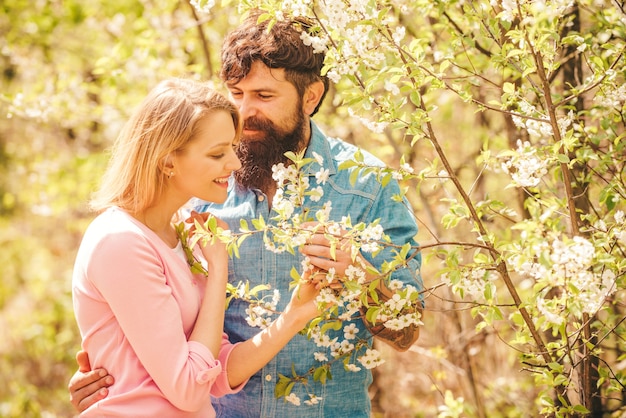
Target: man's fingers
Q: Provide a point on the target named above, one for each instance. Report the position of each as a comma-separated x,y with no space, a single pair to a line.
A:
83,361
84,379
88,388
89,400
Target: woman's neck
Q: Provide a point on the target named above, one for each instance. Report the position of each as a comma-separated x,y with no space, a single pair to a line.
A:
160,222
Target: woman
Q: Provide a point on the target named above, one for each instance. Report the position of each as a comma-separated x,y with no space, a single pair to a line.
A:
141,312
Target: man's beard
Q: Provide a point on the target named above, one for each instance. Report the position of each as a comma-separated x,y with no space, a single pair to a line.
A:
259,155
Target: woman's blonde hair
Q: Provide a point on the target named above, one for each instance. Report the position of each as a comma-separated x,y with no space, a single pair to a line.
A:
163,124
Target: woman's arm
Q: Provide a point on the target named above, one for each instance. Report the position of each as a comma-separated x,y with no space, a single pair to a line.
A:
251,355
209,326
137,287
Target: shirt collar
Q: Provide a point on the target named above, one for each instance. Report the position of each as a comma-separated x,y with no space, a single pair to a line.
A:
319,146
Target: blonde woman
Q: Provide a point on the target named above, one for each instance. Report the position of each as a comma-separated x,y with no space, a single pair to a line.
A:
142,314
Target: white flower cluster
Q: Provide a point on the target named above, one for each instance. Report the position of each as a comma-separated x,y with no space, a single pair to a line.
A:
296,7
319,44
619,232
525,166
259,314
391,314
573,278
339,348
294,399
613,97
203,6
292,190
549,9
405,171
537,129
376,127
472,283
361,42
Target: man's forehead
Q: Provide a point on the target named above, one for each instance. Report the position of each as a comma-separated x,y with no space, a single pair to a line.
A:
260,75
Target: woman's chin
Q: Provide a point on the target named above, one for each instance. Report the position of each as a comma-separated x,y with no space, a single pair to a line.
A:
217,199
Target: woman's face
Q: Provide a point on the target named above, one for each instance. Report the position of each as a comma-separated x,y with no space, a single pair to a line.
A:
203,167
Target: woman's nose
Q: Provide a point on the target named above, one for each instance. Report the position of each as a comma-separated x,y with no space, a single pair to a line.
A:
233,162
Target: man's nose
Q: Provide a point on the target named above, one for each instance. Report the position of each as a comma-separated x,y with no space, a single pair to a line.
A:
246,107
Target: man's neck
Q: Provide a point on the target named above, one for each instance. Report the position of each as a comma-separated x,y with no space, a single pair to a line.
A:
270,195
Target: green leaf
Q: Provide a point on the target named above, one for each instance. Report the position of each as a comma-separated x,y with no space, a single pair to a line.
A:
335,325
564,159
321,374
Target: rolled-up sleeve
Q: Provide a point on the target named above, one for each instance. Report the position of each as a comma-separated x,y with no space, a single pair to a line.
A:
221,386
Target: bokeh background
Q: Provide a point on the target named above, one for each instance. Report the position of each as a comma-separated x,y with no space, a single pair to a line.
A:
70,73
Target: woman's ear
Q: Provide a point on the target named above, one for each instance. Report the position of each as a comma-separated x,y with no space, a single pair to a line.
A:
312,97
167,164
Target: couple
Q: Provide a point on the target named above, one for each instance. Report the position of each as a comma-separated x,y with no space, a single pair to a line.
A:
135,329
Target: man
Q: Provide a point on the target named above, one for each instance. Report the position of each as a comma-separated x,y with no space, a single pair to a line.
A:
276,82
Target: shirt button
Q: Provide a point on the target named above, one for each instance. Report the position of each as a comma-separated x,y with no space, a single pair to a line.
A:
261,198
268,377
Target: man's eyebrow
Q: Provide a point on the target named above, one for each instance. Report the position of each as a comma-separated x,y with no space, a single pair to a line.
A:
257,90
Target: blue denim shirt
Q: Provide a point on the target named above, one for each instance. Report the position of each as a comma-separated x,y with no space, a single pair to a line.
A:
346,394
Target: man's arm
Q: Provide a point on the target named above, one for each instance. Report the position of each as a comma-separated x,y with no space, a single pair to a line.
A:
400,340
88,386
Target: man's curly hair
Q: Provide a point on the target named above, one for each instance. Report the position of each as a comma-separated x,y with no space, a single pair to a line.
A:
278,47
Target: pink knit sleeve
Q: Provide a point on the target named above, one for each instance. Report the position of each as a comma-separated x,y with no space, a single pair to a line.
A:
132,280
221,386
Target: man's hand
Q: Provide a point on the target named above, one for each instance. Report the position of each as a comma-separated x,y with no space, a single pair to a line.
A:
325,255
88,386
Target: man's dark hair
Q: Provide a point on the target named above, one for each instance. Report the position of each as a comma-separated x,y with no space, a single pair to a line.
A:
280,47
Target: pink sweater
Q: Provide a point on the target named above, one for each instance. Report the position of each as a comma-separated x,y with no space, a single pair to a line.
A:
136,302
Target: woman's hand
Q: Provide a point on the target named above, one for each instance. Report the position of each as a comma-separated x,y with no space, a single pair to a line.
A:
302,304
214,252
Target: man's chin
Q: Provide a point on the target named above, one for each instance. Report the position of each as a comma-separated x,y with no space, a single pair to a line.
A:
253,136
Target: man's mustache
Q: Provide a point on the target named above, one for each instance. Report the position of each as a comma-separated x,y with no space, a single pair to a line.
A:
257,124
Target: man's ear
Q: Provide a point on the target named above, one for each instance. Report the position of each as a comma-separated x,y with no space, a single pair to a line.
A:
312,97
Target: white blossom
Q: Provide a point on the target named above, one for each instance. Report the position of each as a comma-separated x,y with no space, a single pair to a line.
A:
526,167
313,400
371,359
352,367
549,313
350,331
292,398
322,176
318,44
321,357
203,6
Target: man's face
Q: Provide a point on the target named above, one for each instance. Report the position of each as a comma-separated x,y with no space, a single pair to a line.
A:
273,123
